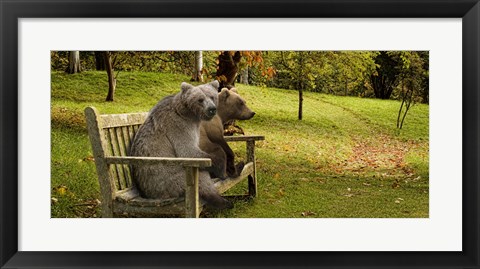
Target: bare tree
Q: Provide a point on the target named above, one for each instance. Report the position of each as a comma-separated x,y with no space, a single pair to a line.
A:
244,75
74,62
198,67
298,64
112,82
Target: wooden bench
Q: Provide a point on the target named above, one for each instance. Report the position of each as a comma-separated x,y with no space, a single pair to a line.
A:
111,135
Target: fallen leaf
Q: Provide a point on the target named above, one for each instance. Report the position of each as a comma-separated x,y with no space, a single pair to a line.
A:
308,213
89,159
62,190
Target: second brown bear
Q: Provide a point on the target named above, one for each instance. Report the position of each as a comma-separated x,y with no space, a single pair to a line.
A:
230,107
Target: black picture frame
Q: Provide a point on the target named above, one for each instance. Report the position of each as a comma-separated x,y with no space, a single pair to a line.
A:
11,11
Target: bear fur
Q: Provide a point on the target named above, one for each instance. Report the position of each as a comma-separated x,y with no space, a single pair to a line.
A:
172,130
230,107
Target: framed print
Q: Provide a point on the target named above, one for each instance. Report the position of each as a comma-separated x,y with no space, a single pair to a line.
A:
353,212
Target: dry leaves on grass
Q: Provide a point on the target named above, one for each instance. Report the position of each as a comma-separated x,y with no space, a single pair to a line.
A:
376,154
87,159
382,151
86,209
308,214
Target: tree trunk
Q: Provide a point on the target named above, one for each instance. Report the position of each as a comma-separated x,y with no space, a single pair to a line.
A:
346,86
300,102
407,107
301,63
386,78
112,83
227,68
425,95
100,60
244,76
198,67
401,106
74,62
382,87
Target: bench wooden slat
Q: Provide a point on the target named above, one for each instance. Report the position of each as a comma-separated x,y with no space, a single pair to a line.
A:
192,162
135,128
244,138
116,152
223,185
131,195
127,141
126,138
130,202
108,148
118,120
122,146
131,133
127,194
137,210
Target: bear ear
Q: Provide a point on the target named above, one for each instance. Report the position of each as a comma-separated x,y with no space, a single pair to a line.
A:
225,92
185,86
234,90
215,84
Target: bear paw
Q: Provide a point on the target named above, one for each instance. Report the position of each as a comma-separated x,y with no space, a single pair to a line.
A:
218,203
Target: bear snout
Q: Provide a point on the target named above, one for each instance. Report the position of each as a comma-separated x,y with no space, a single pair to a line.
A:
252,113
212,111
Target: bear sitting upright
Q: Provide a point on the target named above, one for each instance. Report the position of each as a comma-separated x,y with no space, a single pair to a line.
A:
171,129
230,107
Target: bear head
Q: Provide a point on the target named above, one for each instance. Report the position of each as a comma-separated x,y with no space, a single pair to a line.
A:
199,102
233,107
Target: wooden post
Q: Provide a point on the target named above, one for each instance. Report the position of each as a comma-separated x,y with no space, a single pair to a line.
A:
252,179
192,209
96,138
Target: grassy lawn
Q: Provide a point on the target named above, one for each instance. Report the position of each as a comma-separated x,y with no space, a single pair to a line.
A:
344,159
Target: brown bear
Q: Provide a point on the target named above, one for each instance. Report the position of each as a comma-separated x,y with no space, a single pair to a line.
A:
230,107
171,129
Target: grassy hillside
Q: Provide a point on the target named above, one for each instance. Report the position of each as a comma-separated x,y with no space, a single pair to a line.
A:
344,159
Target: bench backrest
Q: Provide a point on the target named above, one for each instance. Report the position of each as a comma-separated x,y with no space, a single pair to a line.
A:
111,135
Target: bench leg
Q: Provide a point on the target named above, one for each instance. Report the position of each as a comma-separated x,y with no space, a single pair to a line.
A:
192,209
252,179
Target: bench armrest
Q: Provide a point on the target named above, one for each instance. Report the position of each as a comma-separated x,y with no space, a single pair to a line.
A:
187,162
244,138
191,165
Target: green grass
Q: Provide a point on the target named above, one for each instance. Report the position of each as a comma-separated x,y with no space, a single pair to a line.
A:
344,159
